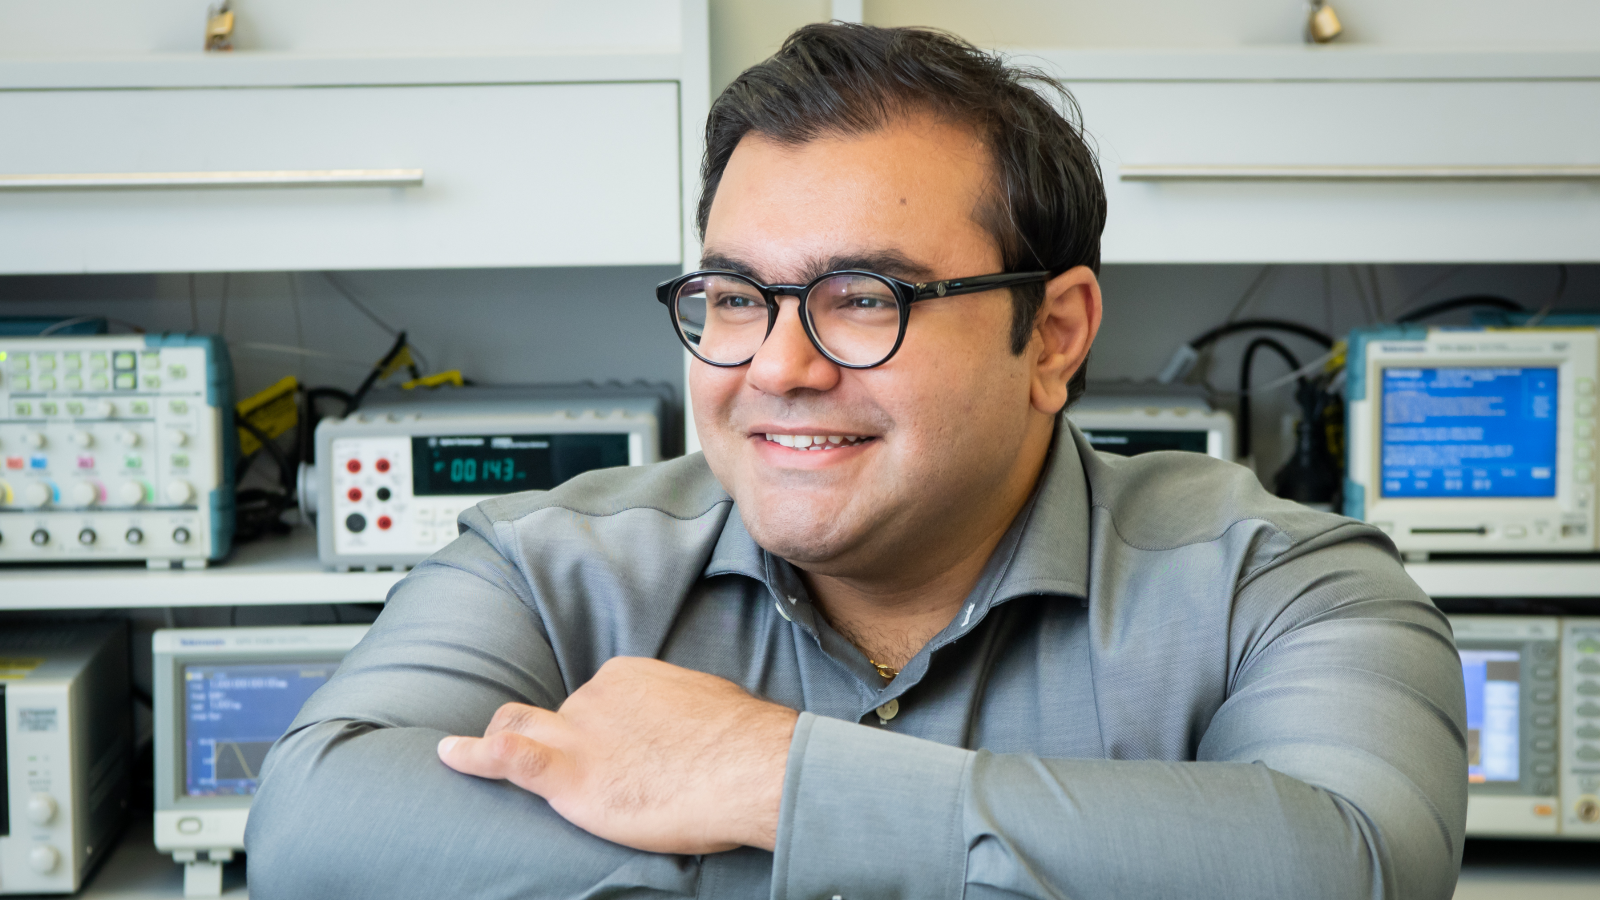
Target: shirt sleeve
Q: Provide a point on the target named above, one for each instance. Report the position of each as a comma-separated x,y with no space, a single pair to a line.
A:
354,801
1335,767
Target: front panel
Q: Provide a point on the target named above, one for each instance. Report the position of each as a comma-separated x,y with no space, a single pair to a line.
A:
115,447
1509,668
1474,441
391,483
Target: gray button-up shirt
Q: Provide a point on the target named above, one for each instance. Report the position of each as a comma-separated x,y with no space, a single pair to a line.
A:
1166,683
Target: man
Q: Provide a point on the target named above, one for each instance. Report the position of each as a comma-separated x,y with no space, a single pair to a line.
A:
899,632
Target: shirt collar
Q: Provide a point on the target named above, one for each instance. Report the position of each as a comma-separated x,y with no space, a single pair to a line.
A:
1046,550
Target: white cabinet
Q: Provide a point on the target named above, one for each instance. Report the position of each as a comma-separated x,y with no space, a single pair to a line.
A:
1343,155
501,174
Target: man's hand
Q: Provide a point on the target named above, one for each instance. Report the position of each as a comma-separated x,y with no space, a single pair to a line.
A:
648,755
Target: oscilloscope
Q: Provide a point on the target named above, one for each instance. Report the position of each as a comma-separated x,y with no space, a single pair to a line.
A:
222,696
1474,440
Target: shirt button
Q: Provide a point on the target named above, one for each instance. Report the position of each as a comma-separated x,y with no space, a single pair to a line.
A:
888,711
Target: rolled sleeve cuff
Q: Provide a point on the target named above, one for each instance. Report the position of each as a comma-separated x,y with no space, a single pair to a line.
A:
870,814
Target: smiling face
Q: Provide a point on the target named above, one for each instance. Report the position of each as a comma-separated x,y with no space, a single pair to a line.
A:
871,473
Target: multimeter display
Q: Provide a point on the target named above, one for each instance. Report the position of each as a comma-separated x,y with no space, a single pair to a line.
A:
505,463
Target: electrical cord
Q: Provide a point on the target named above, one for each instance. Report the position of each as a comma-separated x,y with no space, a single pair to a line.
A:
1242,432
57,327
1227,328
1490,301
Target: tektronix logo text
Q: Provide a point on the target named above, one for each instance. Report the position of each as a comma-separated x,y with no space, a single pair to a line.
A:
201,642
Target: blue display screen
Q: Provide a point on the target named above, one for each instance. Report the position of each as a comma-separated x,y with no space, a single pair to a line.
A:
233,714
1493,690
1469,432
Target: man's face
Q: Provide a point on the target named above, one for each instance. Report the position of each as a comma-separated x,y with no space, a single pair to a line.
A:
928,439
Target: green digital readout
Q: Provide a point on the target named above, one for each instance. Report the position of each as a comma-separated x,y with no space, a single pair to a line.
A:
504,463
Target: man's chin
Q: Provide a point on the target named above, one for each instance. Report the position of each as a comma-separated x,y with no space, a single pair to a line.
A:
815,543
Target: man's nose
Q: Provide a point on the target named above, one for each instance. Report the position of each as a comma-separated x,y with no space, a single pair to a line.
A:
787,360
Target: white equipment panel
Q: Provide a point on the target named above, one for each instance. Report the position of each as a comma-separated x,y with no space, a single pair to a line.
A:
115,447
391,480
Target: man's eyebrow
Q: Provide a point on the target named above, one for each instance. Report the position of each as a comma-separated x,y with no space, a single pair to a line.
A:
886,262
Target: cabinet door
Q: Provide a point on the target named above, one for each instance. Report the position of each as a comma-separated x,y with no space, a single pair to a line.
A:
512,175
1412,171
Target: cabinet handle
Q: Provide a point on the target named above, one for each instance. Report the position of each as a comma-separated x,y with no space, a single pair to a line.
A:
97,181
1357,173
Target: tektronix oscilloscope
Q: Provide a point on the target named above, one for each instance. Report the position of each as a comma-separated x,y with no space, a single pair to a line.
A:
1475,440
1533,725
390,480
222,696
116,447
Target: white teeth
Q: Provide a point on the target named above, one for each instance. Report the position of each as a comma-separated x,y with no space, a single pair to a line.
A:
815,441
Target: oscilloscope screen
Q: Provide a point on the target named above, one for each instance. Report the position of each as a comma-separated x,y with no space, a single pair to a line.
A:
232,715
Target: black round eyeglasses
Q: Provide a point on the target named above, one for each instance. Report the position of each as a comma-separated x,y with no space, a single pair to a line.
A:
857,319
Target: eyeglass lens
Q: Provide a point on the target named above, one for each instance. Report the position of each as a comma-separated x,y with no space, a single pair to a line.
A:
856,318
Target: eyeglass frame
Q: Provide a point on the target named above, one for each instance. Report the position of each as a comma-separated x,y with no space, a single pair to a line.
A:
906,293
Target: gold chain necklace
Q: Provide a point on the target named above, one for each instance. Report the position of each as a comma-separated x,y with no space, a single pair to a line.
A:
888,672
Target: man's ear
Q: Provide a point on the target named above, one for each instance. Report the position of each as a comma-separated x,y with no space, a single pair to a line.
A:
1065,327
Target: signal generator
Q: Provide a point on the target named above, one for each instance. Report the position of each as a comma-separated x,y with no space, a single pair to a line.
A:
1474,440
1133,419
391,479
1533,725
116,447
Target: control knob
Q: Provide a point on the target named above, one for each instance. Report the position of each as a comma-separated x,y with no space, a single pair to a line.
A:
101,409
34,439
130,493
82,439
41,809
177,437
35,494
179,492
127,437
82,493
44,859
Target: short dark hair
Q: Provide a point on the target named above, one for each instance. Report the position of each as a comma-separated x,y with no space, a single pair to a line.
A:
1048,206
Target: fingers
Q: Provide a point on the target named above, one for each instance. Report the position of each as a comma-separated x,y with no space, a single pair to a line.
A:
506,756
511,748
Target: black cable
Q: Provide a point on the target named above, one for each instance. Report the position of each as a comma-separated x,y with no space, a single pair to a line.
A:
1227,328
309,416
1491,301
1242,436
378,369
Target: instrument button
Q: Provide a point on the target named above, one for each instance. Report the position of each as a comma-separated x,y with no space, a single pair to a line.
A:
134,536
356,522
130,493
381,465
40,537
189,825
150,359
177,371
1589,666
44,859
124,381
47,382
179,492
180,535
97,360
82,494
141,407
41,809
353,466
98,382
178,406
384,523
87,536
152,382
384,493
72,361
122,360
73,383
354,494
21,383
36,495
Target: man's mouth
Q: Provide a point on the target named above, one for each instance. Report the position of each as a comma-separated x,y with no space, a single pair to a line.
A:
815,442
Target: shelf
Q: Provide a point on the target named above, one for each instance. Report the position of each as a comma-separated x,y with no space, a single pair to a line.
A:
267,572
1518,578
137,871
